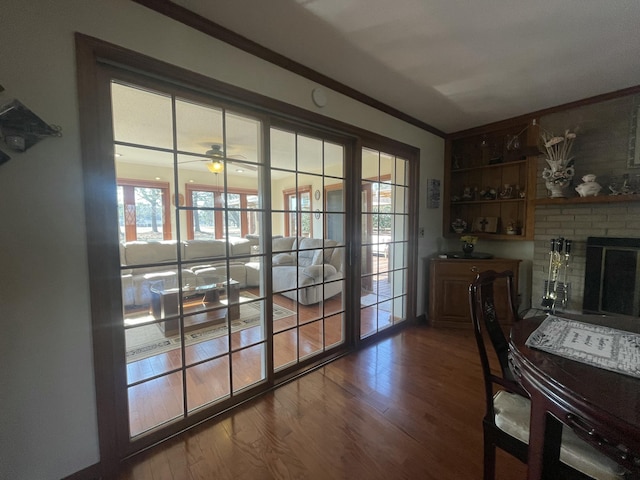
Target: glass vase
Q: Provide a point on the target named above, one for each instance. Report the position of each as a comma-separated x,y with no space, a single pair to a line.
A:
467,248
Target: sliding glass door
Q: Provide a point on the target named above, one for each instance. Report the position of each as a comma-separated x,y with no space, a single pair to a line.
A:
308,264
384,281
203,324
194,308
230,248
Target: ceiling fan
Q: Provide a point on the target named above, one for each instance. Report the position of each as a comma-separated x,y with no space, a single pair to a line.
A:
217,160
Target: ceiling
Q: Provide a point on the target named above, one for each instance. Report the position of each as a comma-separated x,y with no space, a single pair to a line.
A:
450,64
144,123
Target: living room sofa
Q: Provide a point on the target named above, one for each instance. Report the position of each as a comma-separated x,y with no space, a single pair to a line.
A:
298,263
302,263
204,262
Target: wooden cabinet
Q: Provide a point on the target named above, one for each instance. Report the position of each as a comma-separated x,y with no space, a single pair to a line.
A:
449,281
490,180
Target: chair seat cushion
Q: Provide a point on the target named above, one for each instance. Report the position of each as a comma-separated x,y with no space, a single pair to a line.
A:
512,414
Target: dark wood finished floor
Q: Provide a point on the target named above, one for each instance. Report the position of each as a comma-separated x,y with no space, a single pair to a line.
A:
408,407
159,400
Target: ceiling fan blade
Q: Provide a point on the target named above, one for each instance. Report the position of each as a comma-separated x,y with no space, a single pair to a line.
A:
245,166
196,160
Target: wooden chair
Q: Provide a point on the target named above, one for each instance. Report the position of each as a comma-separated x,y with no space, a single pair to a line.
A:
506,420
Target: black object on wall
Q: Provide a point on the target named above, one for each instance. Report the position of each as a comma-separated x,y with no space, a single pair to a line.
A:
21,128
4,158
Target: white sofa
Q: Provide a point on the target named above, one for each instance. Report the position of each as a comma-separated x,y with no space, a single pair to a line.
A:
301,268
304,271
204,262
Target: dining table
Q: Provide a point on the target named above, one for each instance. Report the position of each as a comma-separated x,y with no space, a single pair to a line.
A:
601,405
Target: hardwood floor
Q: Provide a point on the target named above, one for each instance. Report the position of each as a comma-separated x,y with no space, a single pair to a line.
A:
409,406
155,393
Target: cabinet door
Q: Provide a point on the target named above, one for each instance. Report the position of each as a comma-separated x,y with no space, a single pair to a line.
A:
453,307
449,289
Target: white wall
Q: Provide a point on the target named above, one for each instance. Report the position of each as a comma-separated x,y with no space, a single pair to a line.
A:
48,417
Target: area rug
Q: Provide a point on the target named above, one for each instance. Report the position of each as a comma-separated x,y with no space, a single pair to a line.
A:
148,340
596,345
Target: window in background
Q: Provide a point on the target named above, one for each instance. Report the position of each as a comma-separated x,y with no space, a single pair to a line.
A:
298,212
142,210
206,221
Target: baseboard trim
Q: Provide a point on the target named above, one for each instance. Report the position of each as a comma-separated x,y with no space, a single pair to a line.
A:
92,472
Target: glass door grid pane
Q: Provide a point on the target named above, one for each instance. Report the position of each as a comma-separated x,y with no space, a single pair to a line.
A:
307,272
194,331
384,241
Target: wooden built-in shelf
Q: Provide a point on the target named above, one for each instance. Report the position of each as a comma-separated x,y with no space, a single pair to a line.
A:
483,160
588,200
497,200
490,165
487,236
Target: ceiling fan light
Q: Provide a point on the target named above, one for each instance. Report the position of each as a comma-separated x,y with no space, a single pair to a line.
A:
215,166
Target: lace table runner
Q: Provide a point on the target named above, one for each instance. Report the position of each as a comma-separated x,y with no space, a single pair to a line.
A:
596,345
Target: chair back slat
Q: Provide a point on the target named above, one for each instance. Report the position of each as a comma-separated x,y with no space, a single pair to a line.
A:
482,302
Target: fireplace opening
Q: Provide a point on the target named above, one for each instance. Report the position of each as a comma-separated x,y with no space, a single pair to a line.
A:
612,276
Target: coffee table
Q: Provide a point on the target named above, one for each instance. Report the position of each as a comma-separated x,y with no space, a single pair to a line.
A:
165,304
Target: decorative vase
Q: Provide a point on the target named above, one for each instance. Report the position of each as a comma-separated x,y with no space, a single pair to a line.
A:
556,190
558,176
467,248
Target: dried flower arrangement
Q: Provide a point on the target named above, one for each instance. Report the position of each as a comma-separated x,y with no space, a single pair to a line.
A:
558,150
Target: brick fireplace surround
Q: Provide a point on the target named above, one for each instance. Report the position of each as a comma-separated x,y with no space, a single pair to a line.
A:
601,148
